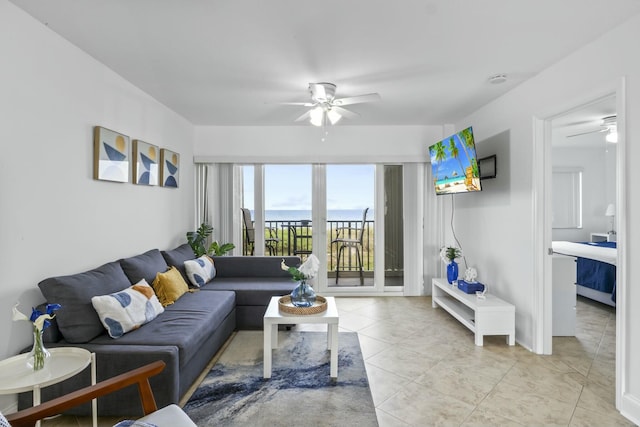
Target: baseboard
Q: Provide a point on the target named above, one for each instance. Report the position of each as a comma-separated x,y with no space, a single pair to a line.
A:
630,408
10,407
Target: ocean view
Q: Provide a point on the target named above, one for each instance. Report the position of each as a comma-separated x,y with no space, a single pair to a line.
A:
332,215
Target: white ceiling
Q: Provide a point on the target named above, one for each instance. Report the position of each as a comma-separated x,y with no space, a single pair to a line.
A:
226,62
583,126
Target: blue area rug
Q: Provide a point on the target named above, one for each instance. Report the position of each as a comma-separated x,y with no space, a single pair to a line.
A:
300,391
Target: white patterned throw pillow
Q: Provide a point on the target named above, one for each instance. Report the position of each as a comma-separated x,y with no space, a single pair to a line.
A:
128,309
3,421
200,270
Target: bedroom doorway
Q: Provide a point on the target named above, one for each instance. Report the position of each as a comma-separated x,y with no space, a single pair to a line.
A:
591,214
583,200
582,174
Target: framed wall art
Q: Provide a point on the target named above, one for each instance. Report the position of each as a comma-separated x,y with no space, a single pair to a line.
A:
169,168
146,161
110,155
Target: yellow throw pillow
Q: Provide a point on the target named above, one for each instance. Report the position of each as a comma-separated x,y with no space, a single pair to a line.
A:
169,286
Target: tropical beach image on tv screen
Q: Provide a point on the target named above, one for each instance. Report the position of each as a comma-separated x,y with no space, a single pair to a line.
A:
454,164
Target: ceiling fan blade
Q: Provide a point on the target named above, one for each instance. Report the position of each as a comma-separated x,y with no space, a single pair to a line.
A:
369,97
303,104
344,112
304,116
588,132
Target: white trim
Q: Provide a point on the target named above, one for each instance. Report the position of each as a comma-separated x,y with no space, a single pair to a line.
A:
319,216
541,325
630,407
413,205
236,230
378,230
433,226
631,404
258,209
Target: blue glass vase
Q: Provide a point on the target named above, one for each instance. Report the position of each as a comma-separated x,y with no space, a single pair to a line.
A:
452,272
303,295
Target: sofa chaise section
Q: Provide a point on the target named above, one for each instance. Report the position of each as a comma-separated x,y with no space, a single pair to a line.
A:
254,279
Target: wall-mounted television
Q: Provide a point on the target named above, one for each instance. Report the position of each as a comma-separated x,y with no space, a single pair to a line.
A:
454,164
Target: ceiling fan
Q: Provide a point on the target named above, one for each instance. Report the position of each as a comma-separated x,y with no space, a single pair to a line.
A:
325,107
608,124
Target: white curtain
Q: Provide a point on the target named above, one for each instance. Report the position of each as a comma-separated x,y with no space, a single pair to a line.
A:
433,230
218,197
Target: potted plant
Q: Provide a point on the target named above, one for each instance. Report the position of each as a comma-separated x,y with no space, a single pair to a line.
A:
448,254
198,239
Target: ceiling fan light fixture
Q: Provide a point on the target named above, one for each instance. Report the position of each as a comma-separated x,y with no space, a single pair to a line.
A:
612,136
326,109
317,116
333,116
322,92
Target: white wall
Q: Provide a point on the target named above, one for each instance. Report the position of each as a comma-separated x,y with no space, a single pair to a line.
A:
598,174
54,218
303,144
505,237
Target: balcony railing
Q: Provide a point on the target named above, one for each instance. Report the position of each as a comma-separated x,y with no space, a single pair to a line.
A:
294,238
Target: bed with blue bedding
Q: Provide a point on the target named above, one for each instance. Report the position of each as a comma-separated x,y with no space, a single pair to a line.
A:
595,268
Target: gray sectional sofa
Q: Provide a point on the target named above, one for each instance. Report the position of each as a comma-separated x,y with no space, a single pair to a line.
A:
185,336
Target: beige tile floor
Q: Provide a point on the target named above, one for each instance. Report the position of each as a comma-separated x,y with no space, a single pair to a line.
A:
425,370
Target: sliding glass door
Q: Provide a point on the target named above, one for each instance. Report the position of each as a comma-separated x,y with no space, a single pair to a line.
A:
287,201
351,216
350,224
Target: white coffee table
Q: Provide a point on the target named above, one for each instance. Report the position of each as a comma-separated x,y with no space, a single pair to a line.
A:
64,362
273,317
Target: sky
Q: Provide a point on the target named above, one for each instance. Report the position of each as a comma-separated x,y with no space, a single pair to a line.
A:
289,187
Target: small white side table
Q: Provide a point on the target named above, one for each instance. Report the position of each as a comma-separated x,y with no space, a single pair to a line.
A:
273,317
64,362
602,237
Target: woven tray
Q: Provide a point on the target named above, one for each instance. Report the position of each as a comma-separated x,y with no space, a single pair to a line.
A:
285,305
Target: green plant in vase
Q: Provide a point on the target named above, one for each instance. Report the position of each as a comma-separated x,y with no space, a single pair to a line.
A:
303,295
448,254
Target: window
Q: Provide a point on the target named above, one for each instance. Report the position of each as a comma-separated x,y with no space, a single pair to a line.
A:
567,198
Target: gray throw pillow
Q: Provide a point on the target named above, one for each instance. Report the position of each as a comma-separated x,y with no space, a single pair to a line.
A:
144,266
77,319
176,258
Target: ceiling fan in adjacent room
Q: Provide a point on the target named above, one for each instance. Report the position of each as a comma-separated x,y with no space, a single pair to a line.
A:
608,124
325,108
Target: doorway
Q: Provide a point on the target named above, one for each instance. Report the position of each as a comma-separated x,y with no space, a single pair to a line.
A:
543,236
351,215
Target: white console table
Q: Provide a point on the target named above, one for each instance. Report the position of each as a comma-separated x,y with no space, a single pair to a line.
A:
488,316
